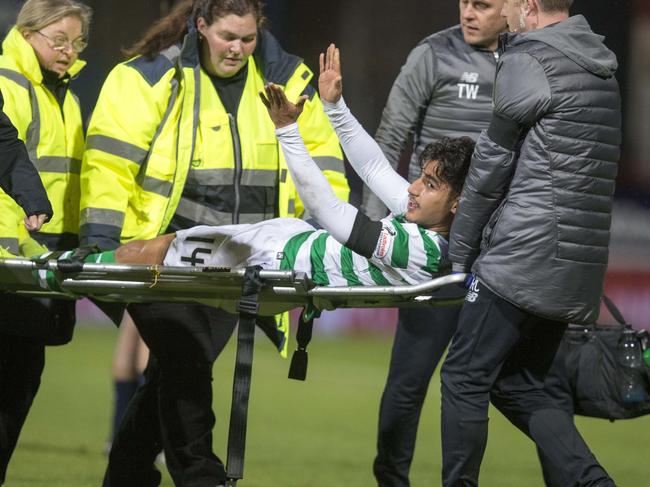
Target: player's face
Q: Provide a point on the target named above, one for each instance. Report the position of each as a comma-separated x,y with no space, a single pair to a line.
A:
432,203
227,44
481,22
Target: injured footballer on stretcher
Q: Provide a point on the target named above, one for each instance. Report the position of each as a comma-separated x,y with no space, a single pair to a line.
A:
407,247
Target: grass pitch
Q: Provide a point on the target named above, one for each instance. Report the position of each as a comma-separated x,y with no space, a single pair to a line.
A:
314,434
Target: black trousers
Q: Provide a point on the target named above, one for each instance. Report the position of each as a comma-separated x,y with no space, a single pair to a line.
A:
501,353
27,325
421,338
21,365
172,410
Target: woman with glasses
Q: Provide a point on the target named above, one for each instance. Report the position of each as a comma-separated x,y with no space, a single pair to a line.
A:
40,55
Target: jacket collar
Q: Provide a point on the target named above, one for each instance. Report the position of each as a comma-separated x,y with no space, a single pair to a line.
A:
22,53
277,65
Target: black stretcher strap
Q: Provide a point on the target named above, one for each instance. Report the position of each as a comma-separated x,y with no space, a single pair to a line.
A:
299,359
248,308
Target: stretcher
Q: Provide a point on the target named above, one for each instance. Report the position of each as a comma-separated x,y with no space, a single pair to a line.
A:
282,290
250,292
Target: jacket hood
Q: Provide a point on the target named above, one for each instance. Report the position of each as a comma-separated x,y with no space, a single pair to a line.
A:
575,39
22,53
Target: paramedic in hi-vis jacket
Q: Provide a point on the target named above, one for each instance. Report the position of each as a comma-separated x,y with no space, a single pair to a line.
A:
40,55
180,138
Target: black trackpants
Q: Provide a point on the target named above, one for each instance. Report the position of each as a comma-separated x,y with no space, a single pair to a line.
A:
421,338
502,353
172,410
21,365
27,325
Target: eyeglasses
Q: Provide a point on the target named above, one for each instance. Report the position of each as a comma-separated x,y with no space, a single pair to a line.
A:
60,43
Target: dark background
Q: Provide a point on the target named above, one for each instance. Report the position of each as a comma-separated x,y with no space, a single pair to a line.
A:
375,38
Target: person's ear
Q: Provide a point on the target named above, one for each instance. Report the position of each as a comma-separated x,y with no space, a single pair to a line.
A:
201,26
454,205
532,8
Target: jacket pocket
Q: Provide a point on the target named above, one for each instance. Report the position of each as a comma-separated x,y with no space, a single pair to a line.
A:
488,231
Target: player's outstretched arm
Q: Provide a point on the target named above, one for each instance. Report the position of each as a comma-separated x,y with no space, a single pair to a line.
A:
364,154
334,215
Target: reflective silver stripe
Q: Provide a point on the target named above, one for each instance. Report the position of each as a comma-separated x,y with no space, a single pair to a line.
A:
117,148
171,53
17,78
222,177
58,164
158,186
33,135
253,217
330,164
11,244
102,216
201,214
292,206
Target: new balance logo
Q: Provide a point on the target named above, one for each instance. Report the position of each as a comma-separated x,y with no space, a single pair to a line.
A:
473,291
469,77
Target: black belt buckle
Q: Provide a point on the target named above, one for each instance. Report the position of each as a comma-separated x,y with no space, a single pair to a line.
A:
248,305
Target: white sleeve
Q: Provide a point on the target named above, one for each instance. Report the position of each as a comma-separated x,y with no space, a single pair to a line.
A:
334,215
367,159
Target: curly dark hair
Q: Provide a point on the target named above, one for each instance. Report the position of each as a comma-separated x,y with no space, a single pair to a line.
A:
454,156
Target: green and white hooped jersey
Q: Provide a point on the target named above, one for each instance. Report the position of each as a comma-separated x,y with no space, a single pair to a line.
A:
405,253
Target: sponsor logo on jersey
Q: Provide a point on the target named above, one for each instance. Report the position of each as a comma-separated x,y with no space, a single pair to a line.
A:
384,243
468,86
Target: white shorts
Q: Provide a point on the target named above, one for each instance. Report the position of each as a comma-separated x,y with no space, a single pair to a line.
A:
234,246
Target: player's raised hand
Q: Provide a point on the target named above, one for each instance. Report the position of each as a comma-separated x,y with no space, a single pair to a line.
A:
330,81
281,110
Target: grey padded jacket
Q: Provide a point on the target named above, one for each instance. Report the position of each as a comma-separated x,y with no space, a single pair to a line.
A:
443,90
534,217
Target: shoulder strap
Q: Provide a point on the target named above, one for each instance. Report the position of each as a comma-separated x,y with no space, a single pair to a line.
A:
614,311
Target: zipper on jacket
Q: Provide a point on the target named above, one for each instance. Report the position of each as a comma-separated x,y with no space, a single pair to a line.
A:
238,166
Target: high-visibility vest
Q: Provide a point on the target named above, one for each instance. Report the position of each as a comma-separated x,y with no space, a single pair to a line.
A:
54,139
159,123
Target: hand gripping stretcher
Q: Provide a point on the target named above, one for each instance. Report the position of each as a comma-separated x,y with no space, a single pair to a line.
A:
251,292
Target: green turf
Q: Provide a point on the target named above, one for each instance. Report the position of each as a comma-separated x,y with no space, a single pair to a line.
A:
314,434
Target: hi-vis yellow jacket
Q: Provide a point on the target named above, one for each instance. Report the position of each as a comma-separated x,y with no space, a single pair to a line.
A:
54,139
159,124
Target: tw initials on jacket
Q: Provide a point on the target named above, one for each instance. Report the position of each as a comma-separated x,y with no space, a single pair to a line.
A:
468,86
